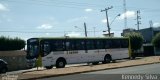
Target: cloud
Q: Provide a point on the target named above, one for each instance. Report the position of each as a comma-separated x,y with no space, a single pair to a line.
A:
156,24
77,19
129,14
3,8
88,10
105,20
45,26
74,34
47,34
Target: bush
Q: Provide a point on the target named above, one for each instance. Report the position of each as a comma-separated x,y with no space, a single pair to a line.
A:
156,40
7,44
136,40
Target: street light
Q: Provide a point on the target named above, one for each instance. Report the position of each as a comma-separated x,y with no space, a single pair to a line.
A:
85,29
112,22
78,27
114,19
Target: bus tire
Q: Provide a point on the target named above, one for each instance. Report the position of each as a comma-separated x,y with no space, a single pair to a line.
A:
49,67
60,63
107,59
4,70
95,63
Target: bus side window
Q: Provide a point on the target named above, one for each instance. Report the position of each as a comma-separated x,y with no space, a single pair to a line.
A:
90,44
67,45
116,43
79,45
124,43
99,44
46,48
59,45
70,45
107,44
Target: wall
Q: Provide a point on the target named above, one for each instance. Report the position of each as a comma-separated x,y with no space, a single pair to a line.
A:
147,34
157,51
16,59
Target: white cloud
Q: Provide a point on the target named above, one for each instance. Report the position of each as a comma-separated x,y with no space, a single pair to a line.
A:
74,34
156,24
3,8
105,20
129,14
47,34
45,26
77,19
88,10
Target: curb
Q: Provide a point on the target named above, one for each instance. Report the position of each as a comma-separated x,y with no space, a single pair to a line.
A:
86,71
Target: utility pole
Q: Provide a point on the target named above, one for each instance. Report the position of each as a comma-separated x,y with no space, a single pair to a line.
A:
138,19
106,10
151,23
125,14
94,31
85,28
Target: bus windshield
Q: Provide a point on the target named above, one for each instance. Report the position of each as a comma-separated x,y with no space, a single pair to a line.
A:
32,49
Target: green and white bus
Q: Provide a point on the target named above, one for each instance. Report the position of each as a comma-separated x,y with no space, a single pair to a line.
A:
61,51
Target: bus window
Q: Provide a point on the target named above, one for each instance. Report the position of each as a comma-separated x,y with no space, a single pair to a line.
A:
33,50
79,45
46,49
58,45
107,44
99,44
124,43
90,44
70,45
116,43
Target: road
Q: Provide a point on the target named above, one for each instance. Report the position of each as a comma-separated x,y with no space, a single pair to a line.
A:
116,74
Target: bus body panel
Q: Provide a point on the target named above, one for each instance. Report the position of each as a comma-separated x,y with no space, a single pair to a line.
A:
117,50
76,57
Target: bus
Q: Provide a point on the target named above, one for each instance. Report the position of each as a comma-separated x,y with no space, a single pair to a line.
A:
65,50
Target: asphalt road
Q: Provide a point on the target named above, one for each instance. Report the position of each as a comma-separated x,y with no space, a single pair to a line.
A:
145,72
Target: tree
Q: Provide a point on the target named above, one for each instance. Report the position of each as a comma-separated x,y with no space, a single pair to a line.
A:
7,44
156,40
136,40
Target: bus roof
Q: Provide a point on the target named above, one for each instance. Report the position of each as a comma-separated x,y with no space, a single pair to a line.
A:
41,38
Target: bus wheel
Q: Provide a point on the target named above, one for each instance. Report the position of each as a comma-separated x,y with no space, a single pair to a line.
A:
49,67
4,70
60,64
95,63
107,59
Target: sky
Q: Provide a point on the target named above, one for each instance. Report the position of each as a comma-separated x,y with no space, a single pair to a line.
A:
55,18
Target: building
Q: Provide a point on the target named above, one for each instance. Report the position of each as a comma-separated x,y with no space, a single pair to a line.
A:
127,31
149,33
107,35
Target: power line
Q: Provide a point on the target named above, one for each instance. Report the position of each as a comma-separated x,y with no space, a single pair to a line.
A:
43,32
68,5
75,5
